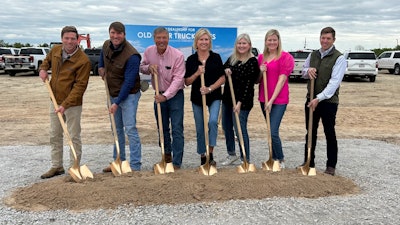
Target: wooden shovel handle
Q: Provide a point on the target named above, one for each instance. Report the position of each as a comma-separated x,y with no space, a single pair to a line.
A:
267,119
60,117
112,118
239,127
159,118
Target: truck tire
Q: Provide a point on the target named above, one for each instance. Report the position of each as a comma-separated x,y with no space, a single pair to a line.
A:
11,73
372,78
396,69
96,70
36,72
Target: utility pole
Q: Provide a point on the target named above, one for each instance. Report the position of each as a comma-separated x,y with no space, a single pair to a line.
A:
305,43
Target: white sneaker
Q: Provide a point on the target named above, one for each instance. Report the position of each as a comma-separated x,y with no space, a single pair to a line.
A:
229,160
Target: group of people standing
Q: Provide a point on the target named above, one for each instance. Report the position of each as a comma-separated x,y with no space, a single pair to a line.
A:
120,64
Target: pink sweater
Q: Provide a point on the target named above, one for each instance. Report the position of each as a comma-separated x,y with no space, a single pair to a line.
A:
284,65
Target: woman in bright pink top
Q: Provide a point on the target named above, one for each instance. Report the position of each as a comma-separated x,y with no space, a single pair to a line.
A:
278,65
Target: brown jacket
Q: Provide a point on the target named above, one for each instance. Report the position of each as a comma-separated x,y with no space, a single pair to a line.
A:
69,79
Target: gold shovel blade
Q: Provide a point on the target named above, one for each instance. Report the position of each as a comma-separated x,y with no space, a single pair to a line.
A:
162,168
252,168
115,168
312,172
246,167
267,165
276,167
85,172
169,168
158,168
207,169
125,167
74,172
304,169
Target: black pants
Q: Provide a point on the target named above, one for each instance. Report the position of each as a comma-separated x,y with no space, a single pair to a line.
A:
326,112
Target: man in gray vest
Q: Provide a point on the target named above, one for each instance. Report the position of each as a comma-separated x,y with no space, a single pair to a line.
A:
326,66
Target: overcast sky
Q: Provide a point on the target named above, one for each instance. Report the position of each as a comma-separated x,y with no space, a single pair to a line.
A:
371,24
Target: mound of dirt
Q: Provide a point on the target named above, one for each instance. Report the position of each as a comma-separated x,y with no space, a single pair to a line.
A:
183,186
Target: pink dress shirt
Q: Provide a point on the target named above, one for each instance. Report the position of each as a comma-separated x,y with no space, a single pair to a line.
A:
282,66
171,69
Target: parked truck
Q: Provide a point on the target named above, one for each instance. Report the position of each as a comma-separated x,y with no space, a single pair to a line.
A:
29,59
94,55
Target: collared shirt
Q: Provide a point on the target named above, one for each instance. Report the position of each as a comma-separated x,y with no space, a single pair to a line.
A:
338,71
171,69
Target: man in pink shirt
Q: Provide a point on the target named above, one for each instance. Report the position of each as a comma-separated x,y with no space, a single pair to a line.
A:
169,64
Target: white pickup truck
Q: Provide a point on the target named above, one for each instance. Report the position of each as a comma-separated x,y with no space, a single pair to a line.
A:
29,59
5,51
390,60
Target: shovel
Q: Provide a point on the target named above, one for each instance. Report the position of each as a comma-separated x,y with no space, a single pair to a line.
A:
161,167
246,166
306,170
77,173
207,168
118,167
270,164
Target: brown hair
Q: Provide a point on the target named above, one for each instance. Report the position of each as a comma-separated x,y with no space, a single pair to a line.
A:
117,26
266,50
67,29
328,30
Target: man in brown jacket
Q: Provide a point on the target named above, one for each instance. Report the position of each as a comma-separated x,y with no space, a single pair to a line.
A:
70,76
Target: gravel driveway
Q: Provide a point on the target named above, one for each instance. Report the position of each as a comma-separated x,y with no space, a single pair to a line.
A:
370,164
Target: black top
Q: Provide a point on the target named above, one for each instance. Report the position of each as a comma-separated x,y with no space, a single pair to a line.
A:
214,69
244,77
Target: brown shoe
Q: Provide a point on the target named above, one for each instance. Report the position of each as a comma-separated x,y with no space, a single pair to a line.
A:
330,170
68,178
177,167
107,169
168,157
53,172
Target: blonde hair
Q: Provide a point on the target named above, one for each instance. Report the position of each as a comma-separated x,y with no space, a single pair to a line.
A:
266,50
235,55
200,33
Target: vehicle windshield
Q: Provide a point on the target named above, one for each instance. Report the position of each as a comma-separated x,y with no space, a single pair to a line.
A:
359,55
29,51
5,51
300,55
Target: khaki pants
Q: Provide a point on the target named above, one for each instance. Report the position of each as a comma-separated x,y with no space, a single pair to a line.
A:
72,118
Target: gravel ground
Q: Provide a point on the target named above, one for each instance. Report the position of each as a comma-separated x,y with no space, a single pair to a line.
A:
370,164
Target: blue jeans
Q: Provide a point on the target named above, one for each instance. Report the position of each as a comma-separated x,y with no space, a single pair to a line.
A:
213,111
125,121
229,124
276,115
172,111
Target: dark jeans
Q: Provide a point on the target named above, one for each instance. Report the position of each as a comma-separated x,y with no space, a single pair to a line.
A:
229,125
326,112
172,112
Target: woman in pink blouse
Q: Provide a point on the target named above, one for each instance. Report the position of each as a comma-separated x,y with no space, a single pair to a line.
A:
278,65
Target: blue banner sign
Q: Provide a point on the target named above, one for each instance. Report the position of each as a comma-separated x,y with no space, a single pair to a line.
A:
182,37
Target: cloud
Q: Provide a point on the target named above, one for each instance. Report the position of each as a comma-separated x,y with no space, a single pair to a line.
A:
371,24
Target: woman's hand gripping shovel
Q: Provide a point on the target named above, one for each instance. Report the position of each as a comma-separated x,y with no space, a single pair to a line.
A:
270,164
77,173
305,169
206,169
118,167
161,167
246,166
